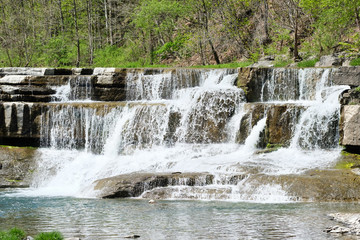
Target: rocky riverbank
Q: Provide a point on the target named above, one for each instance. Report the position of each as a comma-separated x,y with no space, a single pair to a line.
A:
349,224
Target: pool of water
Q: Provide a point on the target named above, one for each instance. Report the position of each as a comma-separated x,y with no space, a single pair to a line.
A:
115,219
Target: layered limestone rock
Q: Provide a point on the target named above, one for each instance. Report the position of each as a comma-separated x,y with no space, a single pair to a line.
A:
44,85
347,76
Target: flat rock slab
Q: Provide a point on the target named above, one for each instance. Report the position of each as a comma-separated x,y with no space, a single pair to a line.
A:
134,184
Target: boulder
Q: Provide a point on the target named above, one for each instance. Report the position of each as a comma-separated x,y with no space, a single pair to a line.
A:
330,61
350,127
263,64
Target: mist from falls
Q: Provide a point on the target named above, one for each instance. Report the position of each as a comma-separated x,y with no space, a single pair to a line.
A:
190,121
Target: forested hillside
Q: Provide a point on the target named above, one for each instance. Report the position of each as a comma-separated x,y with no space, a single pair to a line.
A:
134,33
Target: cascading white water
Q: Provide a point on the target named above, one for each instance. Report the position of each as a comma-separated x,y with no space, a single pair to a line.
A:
187,122
78,88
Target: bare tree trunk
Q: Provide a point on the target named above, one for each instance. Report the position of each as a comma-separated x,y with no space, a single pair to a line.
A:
357,12
61,16
106,21
77,35
206,22
90,32
296,38
203,59
266,23
110,24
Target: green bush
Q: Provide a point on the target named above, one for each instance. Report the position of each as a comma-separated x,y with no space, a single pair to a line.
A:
307,63
13,234
355,62
49,236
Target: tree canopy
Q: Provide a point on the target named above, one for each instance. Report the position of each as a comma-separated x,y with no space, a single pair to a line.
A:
134,33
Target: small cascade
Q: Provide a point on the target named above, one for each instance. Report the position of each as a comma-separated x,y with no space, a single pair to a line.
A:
69,126
318,125
191,121
78,88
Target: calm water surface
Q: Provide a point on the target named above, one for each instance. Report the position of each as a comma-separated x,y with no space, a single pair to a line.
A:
114,219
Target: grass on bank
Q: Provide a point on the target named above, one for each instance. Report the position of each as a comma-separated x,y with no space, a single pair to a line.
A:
18,234
227,65
307,63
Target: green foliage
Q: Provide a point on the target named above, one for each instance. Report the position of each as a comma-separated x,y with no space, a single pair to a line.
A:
357,89
13,234
172,48
282,62
307,63
172,31
354,46
355,62
58,52
49,236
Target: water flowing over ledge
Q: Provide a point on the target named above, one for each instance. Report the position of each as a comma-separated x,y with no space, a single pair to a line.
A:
176,133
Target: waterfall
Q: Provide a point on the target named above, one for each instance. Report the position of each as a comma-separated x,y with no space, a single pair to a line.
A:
190,121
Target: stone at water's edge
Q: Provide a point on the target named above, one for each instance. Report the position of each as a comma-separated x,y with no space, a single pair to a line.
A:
17,166
134,184
350,222
320,185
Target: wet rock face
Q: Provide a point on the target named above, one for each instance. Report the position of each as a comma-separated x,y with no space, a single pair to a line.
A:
281,122
16,166
206,121
251,81
134,184
254,113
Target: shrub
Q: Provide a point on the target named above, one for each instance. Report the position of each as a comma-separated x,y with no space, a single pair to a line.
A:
49,236
13,234
307,63
355,62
